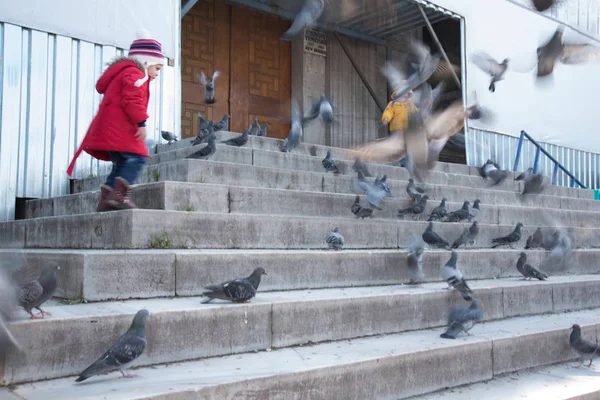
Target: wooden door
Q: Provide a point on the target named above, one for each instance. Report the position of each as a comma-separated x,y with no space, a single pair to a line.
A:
260,71
205,39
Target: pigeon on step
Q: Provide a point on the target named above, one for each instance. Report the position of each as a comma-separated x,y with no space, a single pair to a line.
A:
36,292
586,350
460,215
536,240
462,319
439,212
413,191
416,209
492,170
452,275
204,134
433,239
473,211
527,270
168,136
329,164
295,136
509,239
468,236
361,166
238,141
262,132
223,125
238,290
360,211
206,151
414,261
335,240
525,174
123,352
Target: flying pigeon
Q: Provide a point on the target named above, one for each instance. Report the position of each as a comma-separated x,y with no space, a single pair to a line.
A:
543,5
527,270
306,18
123,352
416,208
209,87
329,164
491,67
474,211
202,122
262,132
454,278
295,135
360,211
255,127
320,108
439,212
586,350
414,261
238,290
413,191
556,50
223,124
561,254
359,165
206,151
433,239
534,184
509,239
382,184
491,170
525,174
460,215
36,292
335,240
462,319
467,237
168,136
374,193
238,140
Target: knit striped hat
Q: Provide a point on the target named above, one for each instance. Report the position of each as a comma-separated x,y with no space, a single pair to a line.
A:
146,50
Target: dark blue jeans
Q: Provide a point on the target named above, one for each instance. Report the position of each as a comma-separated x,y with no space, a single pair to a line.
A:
125,165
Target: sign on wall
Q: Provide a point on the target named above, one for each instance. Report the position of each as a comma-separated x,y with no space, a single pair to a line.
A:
315,41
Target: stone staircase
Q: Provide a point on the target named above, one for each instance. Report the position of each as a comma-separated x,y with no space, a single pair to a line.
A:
324,325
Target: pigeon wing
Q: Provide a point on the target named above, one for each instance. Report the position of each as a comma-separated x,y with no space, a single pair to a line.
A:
486,63
579,53
239,290
124,351
30,292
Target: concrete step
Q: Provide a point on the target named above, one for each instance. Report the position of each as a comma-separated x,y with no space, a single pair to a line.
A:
143,229
181,196
560,382
99,275
401,365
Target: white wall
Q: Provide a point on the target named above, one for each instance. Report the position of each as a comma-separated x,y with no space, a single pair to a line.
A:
563,112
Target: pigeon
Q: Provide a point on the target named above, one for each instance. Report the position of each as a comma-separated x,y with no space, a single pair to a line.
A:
306,18
549,242
439,212
168,136
206,151
460,215
238,140
513,237
542,5
462,319
474,211
492,170
321,108
491,67
416,208
255,127
329,164
361,166
123,352
586,350
335,240
295,135
209,87
36,292
525,174
374,193
223,124
382,184
454,278
262,132
534,184
204,134
527,270
536,240
360,211
561,254
238,290
433,239
556,50
202,123
468,236
413,191
414,261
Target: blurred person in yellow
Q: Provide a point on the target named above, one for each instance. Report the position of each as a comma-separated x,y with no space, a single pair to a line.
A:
397,111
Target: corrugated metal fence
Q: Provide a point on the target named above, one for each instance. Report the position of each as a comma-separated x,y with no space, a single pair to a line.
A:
481,145
47,101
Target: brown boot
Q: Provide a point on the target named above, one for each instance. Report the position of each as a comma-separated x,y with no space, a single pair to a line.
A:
119,198
103,205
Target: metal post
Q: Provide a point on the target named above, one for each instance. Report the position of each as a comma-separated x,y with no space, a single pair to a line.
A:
555,174
536,160
572,182
359,72
519,147
439,45
187,7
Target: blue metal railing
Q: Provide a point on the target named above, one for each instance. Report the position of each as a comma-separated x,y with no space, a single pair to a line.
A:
540,149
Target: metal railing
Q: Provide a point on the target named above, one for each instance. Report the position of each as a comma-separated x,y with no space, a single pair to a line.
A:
540,149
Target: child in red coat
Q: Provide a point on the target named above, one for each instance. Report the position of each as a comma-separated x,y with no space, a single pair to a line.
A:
118,131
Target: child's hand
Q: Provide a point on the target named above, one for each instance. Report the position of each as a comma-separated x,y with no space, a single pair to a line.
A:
385,121
141,134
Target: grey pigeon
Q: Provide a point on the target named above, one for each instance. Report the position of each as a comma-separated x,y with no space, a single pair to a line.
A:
440,211
361,166
452,275
491,170
306,18
238,290
202,122
206,151
527,270
168,136
491,67
467,237
433,239
204,134
525,174
209,87
509,239
123,352
542,5
489,164
560,256
549,242
374,193
329,164
262,132
416,208
360,211
536,240
556,50
382,184
223,124
586,350
534,184
36,292
462,319
414,261
474,211
460,215
413,191
255,127
335,240
238,140
320,108
295,135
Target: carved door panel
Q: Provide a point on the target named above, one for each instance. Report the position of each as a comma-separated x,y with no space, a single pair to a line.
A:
260,72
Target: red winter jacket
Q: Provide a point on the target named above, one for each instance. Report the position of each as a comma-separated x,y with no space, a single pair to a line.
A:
126,90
